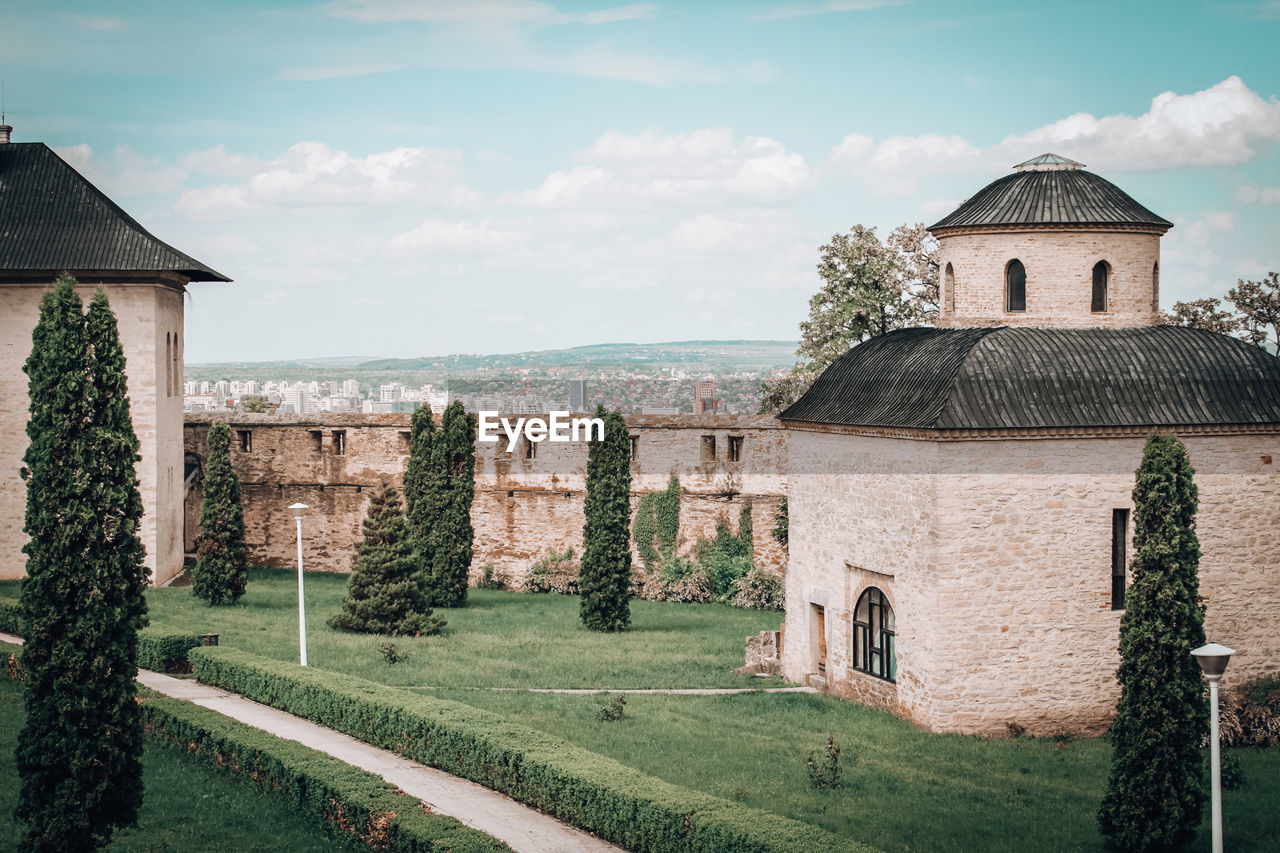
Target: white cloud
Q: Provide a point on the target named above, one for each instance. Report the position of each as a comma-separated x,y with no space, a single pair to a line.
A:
939,207
311,174
336,71
806,10
1193,243
706,166
437,235
1258,195
1226,124
124,173
219,163
711,233
481,12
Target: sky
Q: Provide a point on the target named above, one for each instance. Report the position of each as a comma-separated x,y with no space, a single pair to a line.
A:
399,178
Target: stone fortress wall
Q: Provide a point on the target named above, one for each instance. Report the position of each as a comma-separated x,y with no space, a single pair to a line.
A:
524,509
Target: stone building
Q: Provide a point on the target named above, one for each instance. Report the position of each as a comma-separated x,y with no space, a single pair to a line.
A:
528,503
961,497
52,220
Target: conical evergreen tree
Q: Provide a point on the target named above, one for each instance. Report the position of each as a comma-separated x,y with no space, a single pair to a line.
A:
383,592
451,488
79,754
605,577
220,573
1157,789
423,490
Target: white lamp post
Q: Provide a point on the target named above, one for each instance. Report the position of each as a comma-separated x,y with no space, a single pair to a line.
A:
298,509
1213,659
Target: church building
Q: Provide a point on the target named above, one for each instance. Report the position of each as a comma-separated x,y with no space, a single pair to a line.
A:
52,221
960,497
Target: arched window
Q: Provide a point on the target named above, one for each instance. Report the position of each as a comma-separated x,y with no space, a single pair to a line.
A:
1155,287
1101,275
874,651
168,365
1015,286
949,289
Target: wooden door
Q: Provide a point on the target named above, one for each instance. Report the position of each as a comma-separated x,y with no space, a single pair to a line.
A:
821,614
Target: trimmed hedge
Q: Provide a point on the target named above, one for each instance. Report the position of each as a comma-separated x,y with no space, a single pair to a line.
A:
594,793
10,618
161,649
348,800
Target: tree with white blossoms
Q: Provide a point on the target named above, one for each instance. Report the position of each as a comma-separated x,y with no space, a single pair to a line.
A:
870,288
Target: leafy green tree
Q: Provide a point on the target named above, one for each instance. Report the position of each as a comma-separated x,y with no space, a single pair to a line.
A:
384,595
1157,789
79,754
220,572
782,523
255,404
1206,313
605,577
450,489
869,288
1259,305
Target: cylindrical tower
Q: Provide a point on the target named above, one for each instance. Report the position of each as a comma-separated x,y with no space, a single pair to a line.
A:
1050,245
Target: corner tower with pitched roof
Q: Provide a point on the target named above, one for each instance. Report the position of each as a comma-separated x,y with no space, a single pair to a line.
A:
52,220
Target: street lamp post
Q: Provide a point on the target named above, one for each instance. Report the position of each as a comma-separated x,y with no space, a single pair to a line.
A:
298,509
1213,659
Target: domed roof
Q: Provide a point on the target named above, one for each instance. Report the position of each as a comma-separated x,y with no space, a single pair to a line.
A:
1050,190
1029,378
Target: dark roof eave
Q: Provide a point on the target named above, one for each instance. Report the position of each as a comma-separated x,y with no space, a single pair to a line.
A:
202,275
939,230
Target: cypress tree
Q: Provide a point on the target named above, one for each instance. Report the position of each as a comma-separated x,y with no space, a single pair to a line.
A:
451,488
219,574
79,754
605,577
383,592
1156,790
422,489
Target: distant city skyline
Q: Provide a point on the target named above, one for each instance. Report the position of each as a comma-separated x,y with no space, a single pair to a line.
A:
413,179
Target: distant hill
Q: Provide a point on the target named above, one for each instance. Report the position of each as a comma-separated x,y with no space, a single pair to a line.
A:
719,357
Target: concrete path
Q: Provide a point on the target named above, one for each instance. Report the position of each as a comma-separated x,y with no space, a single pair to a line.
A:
672,691
524,829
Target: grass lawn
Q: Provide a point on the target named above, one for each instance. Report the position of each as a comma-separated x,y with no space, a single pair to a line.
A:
187,806
500,639
905,789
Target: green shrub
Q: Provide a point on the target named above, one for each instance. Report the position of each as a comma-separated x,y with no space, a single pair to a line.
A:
349,801
613,708
656,528
1251,715
10,616
597,794
759,589
161,649
555,572
824,770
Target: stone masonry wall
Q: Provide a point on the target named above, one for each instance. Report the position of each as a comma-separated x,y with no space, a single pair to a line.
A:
996,556
524,509
146,312
1059,265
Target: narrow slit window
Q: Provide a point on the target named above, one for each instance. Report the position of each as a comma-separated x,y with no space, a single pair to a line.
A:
1101,275
318,438
949,286
735,448
1119,533
1155,286
708,448
339,442
1015,286
635,448
246,440
530,449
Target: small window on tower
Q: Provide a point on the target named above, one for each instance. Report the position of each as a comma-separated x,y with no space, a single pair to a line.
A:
530,449
318,438
949,289
1101,274
635,448
708,448
1155,286
1015,286
1119,533
735,448
246,440
339,442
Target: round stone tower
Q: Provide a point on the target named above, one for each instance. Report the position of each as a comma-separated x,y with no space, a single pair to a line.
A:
1050,245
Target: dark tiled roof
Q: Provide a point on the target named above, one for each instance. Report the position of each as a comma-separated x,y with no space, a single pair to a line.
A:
52,219
1061,196
1026,378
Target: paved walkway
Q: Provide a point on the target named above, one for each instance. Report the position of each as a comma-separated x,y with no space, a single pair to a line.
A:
524,829
672,691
